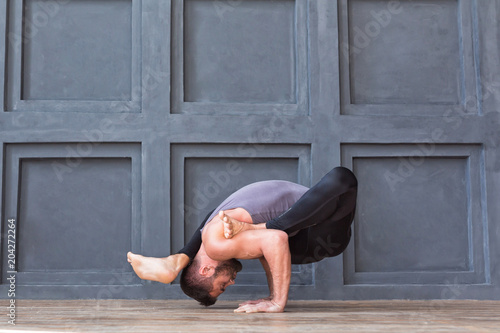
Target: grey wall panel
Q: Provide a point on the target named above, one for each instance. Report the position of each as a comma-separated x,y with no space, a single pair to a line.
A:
216,70
418,216
74,56
388,58
427,229
82,53
219,65
76,214
411,67
93,200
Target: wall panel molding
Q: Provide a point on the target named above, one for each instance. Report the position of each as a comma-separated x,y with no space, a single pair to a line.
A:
384,70
431,231
258,69
46,77
81,195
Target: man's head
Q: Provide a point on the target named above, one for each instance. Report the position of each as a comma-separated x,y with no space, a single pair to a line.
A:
205,281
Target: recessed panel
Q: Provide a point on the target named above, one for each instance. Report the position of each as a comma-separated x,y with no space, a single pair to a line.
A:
75,215
412,214
239,51
209,181
404,52
77,50
203,175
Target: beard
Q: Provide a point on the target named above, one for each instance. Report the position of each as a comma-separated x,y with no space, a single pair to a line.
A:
229,267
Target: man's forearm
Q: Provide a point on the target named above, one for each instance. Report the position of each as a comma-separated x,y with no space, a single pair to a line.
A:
269,276
277,255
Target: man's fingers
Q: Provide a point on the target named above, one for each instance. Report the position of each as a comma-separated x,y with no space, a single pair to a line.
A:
266,306
241,309
248,308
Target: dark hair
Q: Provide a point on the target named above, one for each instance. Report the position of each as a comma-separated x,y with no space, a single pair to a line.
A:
196,286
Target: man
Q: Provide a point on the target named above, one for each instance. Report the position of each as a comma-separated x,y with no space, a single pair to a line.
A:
277,222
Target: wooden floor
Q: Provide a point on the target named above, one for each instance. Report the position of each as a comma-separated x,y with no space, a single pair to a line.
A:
300,316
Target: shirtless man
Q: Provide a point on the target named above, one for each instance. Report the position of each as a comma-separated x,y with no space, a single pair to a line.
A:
277,222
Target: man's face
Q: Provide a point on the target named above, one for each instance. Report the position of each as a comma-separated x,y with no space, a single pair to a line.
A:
224,276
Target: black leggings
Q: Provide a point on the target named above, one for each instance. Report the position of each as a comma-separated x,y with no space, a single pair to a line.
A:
194,244
319,223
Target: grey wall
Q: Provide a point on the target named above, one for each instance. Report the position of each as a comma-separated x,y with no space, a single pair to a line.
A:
125,121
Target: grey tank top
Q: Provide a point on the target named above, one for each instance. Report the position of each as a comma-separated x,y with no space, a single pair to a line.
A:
263,200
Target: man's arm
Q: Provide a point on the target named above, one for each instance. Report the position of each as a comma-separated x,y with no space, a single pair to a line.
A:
253,244
269,277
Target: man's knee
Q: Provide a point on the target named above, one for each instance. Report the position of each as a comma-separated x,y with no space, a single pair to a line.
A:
342,175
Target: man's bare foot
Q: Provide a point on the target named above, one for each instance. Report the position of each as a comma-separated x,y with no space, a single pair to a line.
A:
163,270
232,226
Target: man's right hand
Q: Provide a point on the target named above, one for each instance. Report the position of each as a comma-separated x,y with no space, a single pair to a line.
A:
263,306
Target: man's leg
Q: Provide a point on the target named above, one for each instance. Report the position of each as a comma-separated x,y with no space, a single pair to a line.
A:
193,246
166,269
324,240
332,198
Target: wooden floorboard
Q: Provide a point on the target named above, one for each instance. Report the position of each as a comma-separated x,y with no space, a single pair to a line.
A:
300,316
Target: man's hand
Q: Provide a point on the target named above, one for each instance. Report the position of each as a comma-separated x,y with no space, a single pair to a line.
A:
256,301
264,306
